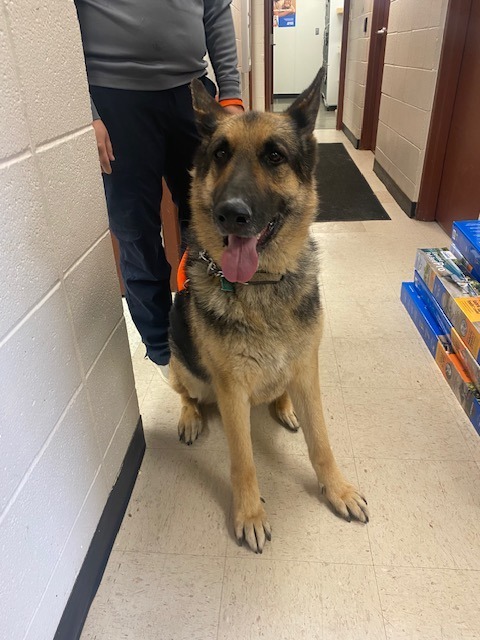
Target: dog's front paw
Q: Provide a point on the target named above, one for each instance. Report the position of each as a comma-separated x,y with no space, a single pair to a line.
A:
190,424
254,528
347,501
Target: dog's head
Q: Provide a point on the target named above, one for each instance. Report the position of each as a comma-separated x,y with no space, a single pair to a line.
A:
253,192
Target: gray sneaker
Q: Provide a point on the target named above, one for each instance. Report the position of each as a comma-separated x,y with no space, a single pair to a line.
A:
164,372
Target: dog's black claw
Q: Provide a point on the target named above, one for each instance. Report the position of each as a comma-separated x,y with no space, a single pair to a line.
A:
240,541
262,499
268,536
351,515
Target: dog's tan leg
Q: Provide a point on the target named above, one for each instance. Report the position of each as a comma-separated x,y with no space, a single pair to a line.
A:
285,412
250,519
343,496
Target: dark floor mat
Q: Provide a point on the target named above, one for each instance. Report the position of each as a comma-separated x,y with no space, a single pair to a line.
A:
344,193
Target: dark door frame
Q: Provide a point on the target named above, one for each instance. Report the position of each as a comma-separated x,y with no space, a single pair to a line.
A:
455,33
343,63
373,89
268,53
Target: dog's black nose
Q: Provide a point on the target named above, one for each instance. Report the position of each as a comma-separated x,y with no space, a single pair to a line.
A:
233,216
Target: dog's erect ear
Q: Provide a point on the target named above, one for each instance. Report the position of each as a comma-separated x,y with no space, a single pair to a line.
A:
305,108
208,112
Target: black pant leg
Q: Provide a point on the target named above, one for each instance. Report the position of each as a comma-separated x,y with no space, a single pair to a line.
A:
134,192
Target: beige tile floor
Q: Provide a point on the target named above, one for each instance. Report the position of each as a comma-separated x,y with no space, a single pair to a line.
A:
412,574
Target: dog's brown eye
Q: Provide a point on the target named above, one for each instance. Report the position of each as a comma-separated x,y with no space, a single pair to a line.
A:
221,154
274,157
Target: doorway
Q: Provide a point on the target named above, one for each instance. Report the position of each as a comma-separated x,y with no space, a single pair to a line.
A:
450,188
301,36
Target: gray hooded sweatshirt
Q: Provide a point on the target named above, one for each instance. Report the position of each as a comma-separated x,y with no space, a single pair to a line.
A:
149,45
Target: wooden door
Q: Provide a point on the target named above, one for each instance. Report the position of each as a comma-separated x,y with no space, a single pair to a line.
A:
343,63
459,194
171,233
171,238
373,89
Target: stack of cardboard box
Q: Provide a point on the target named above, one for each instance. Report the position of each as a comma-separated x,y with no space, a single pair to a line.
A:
444,303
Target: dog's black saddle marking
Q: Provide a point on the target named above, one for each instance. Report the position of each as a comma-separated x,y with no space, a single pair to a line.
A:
309,306
181,341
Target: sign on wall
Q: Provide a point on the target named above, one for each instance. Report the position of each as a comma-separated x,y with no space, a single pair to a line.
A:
284,13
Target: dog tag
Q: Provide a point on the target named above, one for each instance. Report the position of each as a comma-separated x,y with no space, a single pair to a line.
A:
226,285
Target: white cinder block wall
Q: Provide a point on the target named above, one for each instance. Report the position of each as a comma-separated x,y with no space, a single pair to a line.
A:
357,63
68,406
415,34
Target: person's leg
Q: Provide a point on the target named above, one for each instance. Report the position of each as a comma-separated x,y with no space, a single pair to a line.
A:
182,141
134,192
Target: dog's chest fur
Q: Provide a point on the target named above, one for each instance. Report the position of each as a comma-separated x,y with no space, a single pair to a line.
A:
254,333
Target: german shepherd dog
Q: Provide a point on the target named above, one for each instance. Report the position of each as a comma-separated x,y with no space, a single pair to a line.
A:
247,328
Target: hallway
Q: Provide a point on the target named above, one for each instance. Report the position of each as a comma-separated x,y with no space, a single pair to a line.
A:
397,430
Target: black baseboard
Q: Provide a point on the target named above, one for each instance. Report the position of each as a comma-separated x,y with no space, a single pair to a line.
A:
280,96
90,576
402,200
355,141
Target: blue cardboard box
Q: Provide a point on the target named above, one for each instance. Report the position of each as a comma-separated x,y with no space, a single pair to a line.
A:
466,238
457,344
455,291
432,305
438,345
456,252
423,319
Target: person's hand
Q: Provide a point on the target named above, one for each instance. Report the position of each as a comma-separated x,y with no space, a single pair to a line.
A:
104,146
234,109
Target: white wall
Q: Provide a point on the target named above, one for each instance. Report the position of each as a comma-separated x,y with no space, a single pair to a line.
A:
298,51
356,68
334,51
415,33
68,406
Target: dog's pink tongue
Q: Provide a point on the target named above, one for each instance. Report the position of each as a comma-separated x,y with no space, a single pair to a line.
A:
240,259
